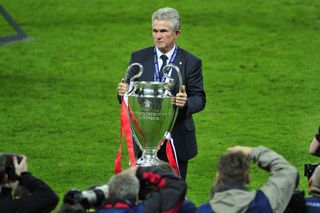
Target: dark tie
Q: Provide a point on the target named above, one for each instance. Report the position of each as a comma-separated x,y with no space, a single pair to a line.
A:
164,60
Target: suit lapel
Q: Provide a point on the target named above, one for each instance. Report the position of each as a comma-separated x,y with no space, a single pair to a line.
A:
179,62
148,71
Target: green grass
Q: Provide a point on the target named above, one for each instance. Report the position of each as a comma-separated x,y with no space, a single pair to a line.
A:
5,28
58,88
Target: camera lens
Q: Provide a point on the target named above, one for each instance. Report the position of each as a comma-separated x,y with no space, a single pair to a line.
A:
91,198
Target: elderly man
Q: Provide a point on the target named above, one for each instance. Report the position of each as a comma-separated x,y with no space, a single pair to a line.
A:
190,98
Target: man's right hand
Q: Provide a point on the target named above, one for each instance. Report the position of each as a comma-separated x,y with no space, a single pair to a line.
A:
122,88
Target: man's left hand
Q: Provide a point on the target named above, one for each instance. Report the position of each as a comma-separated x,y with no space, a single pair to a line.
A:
181,98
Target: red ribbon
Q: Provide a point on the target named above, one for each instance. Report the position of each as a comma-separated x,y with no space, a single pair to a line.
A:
125,129
171,156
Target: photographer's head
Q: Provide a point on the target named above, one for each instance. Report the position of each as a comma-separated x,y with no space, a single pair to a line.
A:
124,187
233,168
314,181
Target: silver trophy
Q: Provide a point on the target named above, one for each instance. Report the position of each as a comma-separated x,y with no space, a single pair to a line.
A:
151,112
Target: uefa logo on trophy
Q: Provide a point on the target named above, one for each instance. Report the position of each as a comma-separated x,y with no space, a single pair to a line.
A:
151,111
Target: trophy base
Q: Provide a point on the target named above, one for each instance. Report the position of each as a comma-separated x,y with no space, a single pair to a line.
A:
148,158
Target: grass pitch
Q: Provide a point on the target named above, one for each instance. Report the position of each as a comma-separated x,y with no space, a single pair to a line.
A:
58,88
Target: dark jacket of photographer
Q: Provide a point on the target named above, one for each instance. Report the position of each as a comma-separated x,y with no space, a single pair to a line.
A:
169,198
42,198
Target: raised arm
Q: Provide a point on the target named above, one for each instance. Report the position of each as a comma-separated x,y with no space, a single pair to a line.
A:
283,179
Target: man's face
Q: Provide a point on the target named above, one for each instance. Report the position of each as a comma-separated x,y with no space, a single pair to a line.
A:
163,35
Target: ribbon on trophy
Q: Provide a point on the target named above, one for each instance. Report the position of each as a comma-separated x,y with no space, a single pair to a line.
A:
125,129
171,153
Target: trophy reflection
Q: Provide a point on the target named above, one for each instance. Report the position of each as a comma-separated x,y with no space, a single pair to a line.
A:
151,112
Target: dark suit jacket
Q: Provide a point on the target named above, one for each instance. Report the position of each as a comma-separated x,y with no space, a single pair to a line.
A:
183,132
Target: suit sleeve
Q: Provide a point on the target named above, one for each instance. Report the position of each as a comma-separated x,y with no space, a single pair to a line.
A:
195,91
172,190
42,198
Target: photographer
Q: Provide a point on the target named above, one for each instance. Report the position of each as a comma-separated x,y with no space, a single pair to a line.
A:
315,146
13,171
124,190
230,193
313,202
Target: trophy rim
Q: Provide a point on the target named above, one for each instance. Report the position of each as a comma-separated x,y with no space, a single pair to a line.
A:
149,82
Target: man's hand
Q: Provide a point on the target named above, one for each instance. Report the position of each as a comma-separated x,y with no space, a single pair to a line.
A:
122,88
20,167
181,98
245,149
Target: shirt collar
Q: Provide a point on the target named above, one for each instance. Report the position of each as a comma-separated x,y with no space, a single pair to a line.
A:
168,54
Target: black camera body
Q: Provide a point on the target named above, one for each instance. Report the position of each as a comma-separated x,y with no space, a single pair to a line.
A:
10,170
91,198
309,169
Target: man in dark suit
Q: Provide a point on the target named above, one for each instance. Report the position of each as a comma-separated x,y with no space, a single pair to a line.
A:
190,98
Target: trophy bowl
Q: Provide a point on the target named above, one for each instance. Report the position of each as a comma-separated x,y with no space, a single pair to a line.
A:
151,113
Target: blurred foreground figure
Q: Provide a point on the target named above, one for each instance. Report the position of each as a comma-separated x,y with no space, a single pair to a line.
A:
167,193
34,195
229,193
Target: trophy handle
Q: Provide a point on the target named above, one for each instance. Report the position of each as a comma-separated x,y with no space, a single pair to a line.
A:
136,75
175,108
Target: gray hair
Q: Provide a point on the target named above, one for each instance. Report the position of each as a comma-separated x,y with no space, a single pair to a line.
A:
124,186
170,14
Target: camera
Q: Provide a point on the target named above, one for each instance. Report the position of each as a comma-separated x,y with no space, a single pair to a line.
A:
309,169
91,198
9,168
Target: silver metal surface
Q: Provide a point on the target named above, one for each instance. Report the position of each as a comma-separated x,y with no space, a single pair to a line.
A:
151,113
